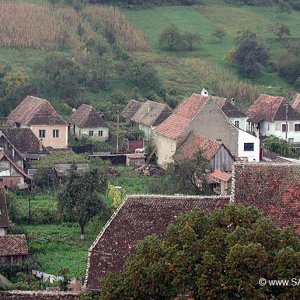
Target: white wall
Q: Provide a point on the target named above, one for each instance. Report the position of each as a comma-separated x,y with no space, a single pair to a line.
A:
245,137
2,231
79,132
275,128
242,122
166,148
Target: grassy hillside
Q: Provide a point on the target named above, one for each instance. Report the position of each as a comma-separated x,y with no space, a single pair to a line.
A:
181,72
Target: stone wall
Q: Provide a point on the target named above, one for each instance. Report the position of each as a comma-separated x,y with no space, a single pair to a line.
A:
39,295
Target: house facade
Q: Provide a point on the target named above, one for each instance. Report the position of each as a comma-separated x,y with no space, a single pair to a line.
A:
203,117
86,121
274,116
40,116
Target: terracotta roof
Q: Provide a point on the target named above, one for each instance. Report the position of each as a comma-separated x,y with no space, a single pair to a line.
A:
151,113
273,188
221,176
271,108
138,216
86,116
192,143
4,223
35,111
23,139
131,108
177,123
11,245
296,103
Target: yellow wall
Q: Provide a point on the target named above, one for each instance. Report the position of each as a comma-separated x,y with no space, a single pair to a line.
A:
166,148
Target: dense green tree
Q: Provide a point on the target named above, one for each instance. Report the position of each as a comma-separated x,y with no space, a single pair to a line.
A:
217,256
250,56
170,37
80,197
190,39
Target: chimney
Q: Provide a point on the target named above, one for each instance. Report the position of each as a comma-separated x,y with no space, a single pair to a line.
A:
204,92
40,145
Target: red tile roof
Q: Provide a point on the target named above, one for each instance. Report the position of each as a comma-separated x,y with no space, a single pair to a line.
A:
221,176
86,116
11,245
177,123
4,223
192,143
273,188
35,111
138,217
271,108
296,103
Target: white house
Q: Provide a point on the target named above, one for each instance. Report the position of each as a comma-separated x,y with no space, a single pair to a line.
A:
87,121
274,116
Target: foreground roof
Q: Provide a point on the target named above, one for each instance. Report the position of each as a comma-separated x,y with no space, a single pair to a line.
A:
137,217
273,188
4,223
151,113
11,245
176,124
271,108
35,111
23,139
131,108
86,116
193,143
296,103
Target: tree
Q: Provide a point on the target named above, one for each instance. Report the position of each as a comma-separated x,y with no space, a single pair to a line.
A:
217,256
170,37
14,80
185,177
219,33
280,30
190,39
249,56
80,196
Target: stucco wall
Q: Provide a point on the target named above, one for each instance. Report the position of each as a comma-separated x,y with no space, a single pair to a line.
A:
165,150
49,140
242,122
79,132
147,131
245,137
213,123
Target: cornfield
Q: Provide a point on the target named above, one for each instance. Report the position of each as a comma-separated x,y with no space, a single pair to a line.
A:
225,83
29,26
113,20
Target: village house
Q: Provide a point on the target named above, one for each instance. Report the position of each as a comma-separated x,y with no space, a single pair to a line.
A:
215,152
4,223
21,146
40,116
87,121
143,215
13,249
204,117
149,115
131,108
274,116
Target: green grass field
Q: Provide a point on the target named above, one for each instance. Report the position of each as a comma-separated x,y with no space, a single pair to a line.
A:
58,246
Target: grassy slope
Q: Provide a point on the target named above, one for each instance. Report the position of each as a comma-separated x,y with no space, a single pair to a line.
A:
59,246
204,19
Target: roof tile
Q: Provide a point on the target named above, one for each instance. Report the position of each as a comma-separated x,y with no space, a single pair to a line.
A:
11,245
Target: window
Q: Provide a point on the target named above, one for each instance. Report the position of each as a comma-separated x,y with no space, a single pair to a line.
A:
297,127
237,123
248,146
55,133
100,133
284,127
91,133
42,133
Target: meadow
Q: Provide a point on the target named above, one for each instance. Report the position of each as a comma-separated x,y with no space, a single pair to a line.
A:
55,244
